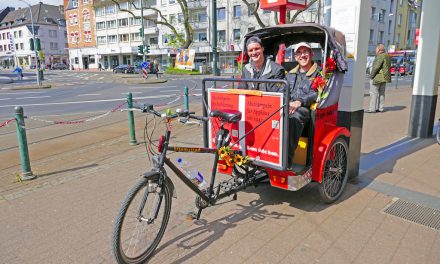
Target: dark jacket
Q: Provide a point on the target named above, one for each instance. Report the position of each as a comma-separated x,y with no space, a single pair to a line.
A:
301,89
271,70
380,72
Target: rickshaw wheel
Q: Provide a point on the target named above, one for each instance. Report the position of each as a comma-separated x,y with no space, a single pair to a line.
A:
334,175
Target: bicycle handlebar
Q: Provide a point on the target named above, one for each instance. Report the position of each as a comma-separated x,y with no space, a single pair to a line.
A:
148,108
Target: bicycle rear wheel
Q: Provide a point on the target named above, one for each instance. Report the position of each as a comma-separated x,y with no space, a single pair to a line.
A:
438,132
141,221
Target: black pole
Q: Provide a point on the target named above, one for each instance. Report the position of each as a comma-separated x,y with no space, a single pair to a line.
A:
214,38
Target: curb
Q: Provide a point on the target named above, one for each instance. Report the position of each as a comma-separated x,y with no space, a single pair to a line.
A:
43,86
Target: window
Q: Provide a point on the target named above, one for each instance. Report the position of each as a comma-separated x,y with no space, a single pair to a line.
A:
135,4
237,11
381,34
401,2
398,38
172,19
251,9
164,39
123,5
251,29
100,11
20,34
172,2
399,20
15,34
135,36
16,46
237,34
201,36
123,22
100,25
373,13
88,36
180,18
102,39
202,17
75,3
52,33
112,39
111,9
221,13
135,21
1,48
382,15
266,11
111,24
21,46
221,36
53,46
85,1
371,35
154,41
74,37
86,15
123,38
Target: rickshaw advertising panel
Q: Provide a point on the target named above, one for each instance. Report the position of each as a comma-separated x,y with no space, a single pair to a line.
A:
264,142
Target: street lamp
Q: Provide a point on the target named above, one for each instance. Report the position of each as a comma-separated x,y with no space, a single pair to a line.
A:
33,36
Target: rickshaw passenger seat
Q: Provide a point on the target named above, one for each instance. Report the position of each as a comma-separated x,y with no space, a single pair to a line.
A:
230,117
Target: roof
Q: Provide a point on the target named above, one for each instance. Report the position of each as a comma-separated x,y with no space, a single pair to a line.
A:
42,14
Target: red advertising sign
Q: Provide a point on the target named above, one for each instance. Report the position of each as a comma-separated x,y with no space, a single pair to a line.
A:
275,5
416,39
264,143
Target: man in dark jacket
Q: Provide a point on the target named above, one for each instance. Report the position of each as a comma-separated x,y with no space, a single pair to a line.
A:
380,74
260,67
302,95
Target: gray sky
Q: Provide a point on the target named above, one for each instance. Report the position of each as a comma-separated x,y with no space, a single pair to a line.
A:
16,3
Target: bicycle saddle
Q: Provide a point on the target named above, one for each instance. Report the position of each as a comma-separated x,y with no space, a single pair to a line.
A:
230,117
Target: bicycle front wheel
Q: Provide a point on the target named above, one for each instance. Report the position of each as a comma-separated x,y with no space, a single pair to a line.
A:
141,221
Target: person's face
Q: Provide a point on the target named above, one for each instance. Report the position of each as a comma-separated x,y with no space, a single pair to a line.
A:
303,56
255,52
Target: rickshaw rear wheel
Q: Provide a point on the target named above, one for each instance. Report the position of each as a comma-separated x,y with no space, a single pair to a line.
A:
334,174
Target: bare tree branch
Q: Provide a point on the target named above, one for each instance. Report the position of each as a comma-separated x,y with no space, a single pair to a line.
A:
254,11
299,11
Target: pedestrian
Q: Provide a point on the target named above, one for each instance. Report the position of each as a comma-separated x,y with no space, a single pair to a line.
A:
302,94
19,72
99,66
260,67
156,68
380,75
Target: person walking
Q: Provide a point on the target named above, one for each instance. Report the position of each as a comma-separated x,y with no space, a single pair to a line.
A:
380,75
99,66
156,68
19,72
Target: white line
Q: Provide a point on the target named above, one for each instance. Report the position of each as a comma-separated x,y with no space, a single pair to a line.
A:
23,93
32,97
132,93
95,101
100,78
88,94
5,99
151,87
170,91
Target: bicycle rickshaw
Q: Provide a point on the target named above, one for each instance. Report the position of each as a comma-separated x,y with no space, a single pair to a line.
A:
247,132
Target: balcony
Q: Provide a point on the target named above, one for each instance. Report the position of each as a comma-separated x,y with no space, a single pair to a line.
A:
199,25
197,4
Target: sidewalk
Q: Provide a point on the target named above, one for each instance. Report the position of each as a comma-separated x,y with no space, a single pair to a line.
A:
66,215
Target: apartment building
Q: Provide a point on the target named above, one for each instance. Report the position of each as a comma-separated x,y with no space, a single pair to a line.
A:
16,31
118,33
408,14
382,24
80,20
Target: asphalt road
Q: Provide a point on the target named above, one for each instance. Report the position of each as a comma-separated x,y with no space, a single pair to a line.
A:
88,93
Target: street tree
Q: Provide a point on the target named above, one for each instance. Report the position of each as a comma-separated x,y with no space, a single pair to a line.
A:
183,39
291,16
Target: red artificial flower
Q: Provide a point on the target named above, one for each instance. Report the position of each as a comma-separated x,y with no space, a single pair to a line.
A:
239,58
330,65
318,83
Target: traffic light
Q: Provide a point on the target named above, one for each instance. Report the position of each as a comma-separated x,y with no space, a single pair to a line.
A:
31,44
37,44
148,49
141,32
141,49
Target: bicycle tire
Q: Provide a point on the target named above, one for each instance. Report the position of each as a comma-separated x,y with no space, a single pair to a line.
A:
125,216
438,132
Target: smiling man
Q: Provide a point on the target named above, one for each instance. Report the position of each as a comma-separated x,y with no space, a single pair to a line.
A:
260,67
302,96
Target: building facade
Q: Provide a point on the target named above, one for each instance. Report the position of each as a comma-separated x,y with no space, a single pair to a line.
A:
118,33
408,14
382,24
16,32
80,20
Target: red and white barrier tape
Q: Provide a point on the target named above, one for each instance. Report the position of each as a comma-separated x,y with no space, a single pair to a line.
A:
4,124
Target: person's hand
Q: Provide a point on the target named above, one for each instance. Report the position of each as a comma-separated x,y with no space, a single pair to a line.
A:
293,106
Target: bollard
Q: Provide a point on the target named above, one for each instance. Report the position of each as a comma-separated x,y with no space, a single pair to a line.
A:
185,99
131,119
26,173
396,72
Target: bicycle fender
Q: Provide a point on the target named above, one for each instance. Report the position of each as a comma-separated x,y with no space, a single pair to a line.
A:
154,175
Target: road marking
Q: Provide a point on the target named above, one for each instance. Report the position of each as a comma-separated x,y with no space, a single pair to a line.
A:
151,87
23,93
32,97
132,93
94,101
5,99
100,78
170,91
88,94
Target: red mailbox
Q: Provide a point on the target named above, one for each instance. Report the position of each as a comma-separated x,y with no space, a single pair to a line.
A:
277,5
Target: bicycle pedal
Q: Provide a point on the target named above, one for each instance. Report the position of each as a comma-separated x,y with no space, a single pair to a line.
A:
191,216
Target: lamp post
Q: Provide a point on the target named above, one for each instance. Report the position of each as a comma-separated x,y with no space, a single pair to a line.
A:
33,36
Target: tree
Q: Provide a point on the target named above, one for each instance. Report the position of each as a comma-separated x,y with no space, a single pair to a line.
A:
184,40
254,7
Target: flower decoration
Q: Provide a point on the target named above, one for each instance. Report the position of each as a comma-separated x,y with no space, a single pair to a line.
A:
241,59
231,157
319,82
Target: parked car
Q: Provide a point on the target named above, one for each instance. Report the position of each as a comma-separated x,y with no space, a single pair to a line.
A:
59,66
138,69
123,68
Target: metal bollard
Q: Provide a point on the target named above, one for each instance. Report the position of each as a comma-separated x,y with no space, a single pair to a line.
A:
133,140
26,173
185,99
396,72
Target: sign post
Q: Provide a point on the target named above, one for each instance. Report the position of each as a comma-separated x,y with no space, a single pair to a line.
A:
282,6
